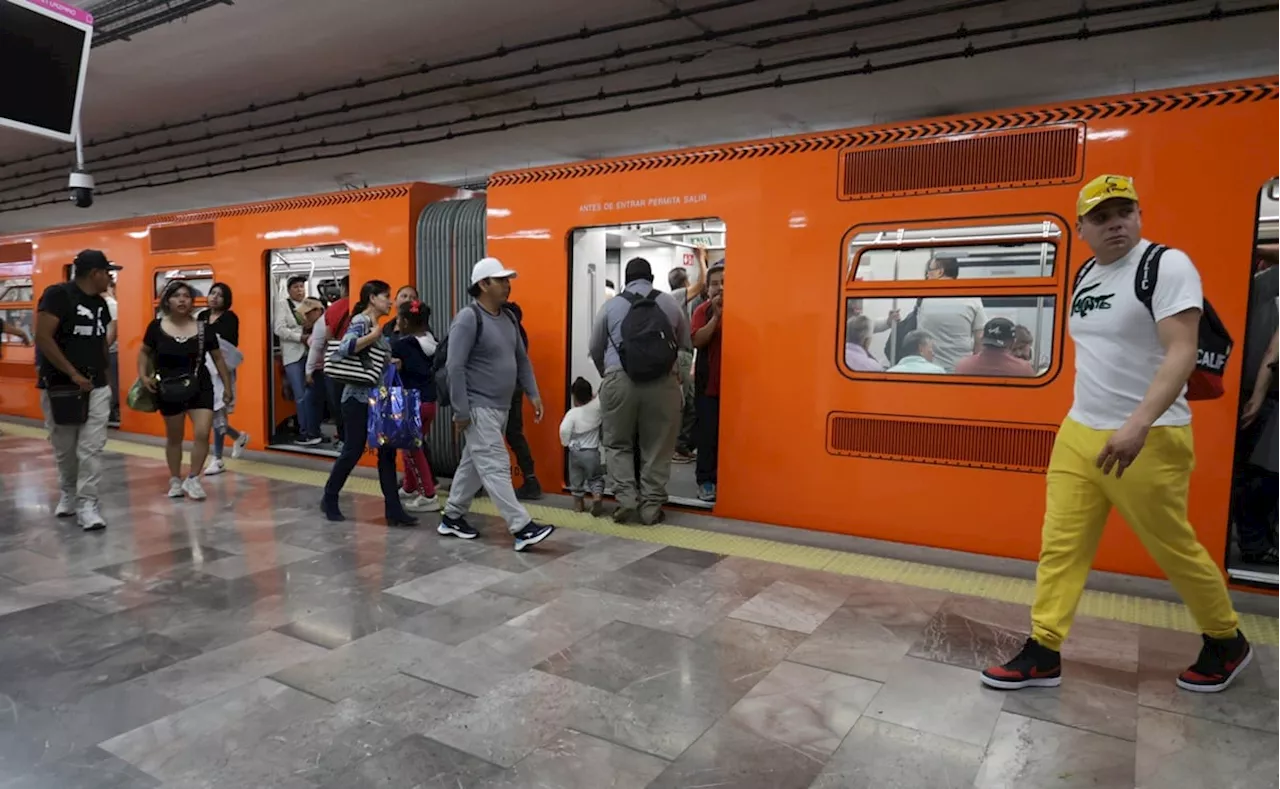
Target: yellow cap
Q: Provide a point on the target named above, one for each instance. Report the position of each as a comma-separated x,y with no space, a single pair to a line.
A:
1102,188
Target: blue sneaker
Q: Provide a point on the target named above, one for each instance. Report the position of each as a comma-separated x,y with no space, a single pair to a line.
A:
707,491
533,534
458,527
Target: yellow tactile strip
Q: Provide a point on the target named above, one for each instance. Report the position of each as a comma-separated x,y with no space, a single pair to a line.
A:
1104,605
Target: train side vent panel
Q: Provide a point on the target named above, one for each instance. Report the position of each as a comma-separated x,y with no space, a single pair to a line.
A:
964,163
18,252
180,238
942,442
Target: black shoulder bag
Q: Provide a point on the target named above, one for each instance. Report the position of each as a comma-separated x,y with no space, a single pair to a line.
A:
181,388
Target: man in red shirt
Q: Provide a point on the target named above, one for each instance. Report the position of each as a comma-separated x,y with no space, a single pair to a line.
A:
706,381
996,355
336,318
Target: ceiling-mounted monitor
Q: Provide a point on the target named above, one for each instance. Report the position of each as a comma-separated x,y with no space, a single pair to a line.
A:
47,42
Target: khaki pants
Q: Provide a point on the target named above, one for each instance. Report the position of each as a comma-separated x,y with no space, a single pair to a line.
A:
652,411
1152,497
77,449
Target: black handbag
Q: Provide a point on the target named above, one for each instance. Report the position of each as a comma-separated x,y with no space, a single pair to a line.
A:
181,388
68,404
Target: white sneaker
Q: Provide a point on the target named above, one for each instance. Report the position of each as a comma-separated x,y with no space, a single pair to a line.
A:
194,489
89,517
406,495
66,506
237,449
423,504
214,466
175,488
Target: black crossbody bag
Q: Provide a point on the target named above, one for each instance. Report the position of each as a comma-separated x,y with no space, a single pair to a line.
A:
181,388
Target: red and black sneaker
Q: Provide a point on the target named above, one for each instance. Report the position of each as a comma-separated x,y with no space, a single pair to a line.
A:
1036,666
1221,661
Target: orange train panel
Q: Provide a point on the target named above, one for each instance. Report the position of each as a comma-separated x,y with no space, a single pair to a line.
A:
950,464
377,225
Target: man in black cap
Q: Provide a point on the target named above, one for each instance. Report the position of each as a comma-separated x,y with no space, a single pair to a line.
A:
995,356
635,342
71,335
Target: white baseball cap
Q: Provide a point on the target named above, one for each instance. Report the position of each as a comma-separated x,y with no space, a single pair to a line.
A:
490,268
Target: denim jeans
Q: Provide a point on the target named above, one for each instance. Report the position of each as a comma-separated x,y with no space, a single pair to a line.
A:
296,375
355,414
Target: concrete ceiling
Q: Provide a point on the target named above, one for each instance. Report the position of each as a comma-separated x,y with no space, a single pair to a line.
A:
304,94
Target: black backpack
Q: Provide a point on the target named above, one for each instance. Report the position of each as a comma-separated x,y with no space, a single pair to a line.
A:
1214,343
438,370
648,349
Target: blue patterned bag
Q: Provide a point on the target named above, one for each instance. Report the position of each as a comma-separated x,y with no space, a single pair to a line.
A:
395,421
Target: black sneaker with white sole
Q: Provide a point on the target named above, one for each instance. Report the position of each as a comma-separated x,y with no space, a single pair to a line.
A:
458,527
533,534
1036,666
1221,661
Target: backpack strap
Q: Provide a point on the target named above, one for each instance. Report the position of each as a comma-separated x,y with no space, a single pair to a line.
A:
1080,275
1147,274
479,323
632,298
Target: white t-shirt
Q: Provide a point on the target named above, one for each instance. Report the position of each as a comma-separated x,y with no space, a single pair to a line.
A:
952,321
112,307
1117,348
580,428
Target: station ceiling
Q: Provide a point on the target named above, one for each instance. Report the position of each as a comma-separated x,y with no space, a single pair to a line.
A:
256,99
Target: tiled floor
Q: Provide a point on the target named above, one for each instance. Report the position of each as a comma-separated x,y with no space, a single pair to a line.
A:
243,642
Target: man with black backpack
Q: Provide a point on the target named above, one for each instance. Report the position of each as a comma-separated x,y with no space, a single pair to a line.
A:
635,342
1141,328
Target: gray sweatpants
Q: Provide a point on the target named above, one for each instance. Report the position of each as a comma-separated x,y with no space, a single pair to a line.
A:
485,463
77,449
586,472
652,410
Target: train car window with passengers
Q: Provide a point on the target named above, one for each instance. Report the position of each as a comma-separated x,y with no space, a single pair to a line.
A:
969,299
17,312
198,281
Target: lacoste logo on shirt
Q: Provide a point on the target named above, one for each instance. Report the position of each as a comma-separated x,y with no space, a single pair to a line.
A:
1086,302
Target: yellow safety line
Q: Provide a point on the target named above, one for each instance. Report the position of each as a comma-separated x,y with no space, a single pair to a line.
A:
1104,605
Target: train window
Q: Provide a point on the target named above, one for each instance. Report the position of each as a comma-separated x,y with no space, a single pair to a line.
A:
888,253
199,280
17,307
984,336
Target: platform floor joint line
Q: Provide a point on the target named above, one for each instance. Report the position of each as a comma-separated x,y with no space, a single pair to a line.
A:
1103,605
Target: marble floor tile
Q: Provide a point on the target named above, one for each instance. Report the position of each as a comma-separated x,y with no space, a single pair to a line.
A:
212,673
644,579
730,756
342,672
91,768
342,624
420,763
193,557
939,699
880,755
1029,752
791,607
19,598
700,559
256,558
1184,752
572,760
466,617
512,720
852,643
25,566
444,586
804,708
411,705
652,728
1249,702
1095,708
961,638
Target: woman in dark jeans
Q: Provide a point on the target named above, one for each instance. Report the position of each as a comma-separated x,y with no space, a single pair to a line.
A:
226,324
362,333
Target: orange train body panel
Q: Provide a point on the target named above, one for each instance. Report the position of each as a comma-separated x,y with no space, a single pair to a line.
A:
805,442
1199,156
377,225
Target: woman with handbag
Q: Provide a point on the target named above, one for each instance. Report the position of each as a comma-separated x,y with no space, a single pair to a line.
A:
226,324
171,367
359,360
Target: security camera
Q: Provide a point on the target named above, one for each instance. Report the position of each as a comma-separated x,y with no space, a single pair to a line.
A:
81,184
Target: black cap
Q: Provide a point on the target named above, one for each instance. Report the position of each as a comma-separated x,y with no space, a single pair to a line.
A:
998,333
90,259
639,268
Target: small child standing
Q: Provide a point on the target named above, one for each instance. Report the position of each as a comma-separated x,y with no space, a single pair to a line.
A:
580,434
415,349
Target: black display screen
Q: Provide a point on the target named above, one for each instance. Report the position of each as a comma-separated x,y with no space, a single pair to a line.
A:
39,68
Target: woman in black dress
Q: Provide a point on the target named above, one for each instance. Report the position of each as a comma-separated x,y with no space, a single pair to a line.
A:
171,366
226,324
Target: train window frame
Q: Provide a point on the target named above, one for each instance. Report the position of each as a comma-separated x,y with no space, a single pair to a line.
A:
17,273
198,272
1051,286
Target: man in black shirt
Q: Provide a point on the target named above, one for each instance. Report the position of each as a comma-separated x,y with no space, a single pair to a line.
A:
71,336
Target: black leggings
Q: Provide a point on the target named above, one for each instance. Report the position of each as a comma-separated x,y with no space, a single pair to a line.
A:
355,417
515,435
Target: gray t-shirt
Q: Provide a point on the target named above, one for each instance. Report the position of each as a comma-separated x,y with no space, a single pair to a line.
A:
484,375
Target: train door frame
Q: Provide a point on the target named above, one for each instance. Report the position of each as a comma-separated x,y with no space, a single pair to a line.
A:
322,278
1258,578
599,270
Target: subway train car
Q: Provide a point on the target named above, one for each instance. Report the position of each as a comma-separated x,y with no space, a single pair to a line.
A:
824,422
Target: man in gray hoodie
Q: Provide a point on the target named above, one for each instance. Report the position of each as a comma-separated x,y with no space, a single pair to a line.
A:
485,360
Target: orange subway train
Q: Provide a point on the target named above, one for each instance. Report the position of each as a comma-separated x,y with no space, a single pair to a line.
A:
832,417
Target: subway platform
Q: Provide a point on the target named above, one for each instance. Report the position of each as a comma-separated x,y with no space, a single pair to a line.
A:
244,642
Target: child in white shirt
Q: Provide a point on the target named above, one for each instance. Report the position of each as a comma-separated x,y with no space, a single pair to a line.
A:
580,434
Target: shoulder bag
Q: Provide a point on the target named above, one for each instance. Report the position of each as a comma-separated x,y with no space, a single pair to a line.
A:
181,388
358,369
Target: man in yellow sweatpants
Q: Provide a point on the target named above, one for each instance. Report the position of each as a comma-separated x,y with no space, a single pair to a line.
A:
1126,443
